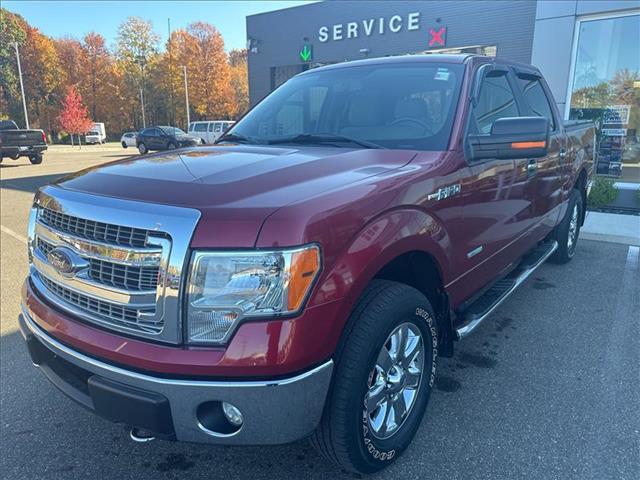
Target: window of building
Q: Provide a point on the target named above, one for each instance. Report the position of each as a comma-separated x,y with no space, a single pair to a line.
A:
605,87
496,100
536,98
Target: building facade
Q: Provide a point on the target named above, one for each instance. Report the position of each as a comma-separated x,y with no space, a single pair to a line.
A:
588,50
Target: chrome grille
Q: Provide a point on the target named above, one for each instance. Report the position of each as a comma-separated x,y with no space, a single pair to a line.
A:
92,230
127,277
118,263
105,311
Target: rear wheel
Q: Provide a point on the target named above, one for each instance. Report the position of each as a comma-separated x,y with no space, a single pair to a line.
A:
142,148
171,146
385,369
124,145
568,230
36,159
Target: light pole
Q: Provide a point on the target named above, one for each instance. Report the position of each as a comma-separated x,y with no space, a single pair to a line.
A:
144,121
141,60
186,94
24,100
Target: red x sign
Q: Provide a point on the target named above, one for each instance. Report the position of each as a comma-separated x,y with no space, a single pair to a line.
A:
438,38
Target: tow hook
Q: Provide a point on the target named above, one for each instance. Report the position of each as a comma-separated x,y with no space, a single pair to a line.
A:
140,435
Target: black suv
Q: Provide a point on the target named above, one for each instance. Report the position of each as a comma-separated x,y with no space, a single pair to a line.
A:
163,138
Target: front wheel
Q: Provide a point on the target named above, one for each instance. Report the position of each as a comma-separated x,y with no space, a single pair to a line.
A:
142,148
568,230
385,369
124,145
171,146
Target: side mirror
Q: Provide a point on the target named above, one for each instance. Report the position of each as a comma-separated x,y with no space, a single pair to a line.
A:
512,137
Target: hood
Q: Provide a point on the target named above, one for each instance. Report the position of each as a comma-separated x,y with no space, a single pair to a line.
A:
235,187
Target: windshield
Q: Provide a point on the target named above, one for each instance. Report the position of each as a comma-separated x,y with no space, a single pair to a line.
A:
172,131
409,106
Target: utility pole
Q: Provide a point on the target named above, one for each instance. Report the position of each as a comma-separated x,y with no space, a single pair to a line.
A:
172,115
186,95
144,121
24,100
142,61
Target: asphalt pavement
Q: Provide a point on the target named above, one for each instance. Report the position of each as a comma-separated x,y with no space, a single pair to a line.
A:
548,387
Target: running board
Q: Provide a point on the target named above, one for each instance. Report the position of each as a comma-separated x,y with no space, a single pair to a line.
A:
502,289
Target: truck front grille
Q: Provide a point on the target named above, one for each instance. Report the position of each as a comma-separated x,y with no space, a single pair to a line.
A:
92,230
107,312
111,262
127,277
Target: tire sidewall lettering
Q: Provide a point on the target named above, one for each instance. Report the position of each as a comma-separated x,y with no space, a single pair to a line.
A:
369,443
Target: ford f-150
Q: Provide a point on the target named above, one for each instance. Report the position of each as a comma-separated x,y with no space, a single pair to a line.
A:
302,277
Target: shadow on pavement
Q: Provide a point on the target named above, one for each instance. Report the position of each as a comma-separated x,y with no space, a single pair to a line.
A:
30,184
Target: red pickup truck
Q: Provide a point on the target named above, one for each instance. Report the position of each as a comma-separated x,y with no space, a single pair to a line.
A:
302,277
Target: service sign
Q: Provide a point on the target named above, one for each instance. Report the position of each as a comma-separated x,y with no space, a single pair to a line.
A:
369,26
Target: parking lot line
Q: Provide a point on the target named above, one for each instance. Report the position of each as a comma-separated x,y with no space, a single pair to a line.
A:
13,234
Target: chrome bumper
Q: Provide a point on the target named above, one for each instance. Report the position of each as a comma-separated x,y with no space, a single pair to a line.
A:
274,411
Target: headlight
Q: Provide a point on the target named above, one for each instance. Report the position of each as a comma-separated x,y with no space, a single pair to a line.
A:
227,287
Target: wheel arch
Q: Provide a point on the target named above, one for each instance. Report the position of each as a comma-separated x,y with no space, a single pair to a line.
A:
581,185
403,245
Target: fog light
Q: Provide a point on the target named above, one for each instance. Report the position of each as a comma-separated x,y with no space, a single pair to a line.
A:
232,413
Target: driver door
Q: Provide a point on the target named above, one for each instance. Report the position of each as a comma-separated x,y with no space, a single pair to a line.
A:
498,197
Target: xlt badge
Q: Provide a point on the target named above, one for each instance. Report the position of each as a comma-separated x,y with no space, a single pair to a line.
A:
445,192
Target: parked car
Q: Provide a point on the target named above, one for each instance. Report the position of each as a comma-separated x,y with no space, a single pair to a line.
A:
210,130
128,139
97,134
16,142
303,276
163,138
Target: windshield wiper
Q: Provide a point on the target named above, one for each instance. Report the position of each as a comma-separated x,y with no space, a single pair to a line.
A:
307,138
235,138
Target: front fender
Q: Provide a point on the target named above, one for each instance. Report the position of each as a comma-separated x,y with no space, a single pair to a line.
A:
382,239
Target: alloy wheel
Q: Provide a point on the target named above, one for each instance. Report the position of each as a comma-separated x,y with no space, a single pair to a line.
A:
394,381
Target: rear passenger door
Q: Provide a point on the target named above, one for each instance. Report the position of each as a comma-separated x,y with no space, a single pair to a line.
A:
545,172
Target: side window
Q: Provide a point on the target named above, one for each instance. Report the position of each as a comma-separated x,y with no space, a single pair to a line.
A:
496,100
201,127
536,98
218,127
147,131
211,124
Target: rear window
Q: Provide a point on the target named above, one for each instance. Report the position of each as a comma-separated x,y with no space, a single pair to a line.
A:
407,106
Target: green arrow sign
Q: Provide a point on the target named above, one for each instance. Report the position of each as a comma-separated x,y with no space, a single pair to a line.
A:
306,54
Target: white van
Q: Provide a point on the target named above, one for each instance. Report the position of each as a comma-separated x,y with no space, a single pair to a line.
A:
97,134
209,130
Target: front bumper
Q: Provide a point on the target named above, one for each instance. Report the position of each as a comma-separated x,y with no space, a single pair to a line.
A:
274,411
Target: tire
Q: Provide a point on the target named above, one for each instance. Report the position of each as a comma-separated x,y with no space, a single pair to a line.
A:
142,148
347,434
124,145
36,159
171,146
568,231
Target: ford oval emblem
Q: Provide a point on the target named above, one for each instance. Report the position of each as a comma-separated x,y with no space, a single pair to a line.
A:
65,261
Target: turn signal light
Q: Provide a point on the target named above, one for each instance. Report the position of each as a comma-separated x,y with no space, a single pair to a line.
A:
304,266
522,145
